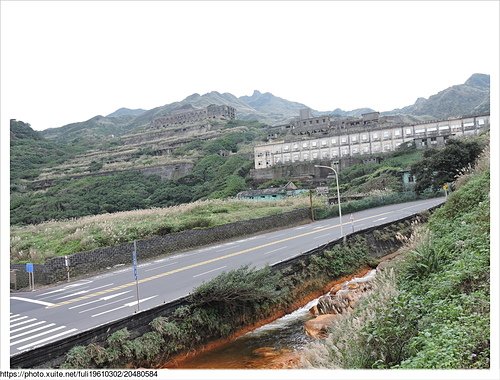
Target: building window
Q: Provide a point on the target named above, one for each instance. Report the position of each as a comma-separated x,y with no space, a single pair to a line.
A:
354,138
323,143
295,146
314,143
343,140
286,147
315,155
364,137
334,141
304,145
480,121
397,132
408,131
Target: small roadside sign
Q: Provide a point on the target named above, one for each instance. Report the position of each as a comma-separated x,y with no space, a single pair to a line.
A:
134,263
31,275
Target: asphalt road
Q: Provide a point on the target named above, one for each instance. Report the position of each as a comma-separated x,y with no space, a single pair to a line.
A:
46,315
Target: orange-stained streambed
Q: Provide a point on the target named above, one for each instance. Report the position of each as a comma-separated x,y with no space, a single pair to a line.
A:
272,345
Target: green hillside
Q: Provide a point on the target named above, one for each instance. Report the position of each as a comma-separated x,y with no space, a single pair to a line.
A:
434,313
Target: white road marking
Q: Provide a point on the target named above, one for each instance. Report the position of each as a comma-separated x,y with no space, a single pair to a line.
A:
84,291
160,266
72,294
274,250
322,236
125,305
159,261
26,327
32,301
225,249
32,331
210,271
14,315
22,323
109,303
278,235
143,300
377,220
37,335
17,319
46,339
100,299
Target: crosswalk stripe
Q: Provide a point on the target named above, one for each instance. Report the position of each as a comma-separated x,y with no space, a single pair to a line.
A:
26,327
13,316
17,319
22,323
32,331
46,339
37,335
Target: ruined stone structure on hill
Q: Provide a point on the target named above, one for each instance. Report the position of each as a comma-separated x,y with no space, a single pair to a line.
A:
192,115
358,137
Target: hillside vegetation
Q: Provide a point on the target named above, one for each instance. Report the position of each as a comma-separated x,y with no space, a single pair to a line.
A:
432,309
212,176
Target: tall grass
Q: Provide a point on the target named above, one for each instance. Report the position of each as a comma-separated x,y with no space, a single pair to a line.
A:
55,238
435,313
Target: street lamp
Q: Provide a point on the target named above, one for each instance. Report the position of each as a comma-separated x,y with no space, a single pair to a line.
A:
338,194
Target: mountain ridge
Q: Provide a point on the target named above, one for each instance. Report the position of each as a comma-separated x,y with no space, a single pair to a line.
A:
470,97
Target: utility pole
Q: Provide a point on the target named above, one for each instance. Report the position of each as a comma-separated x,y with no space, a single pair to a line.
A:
311,204
134,264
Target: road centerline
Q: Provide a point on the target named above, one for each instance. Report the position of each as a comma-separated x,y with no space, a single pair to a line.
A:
182,269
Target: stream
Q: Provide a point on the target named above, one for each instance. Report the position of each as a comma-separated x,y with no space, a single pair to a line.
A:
271,346
258,348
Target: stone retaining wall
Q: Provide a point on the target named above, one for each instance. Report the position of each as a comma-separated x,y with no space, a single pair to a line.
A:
54,269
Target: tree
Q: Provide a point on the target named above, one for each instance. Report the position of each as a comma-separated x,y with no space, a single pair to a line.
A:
440,166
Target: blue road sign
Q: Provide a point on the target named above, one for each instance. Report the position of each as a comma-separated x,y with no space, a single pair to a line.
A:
29,267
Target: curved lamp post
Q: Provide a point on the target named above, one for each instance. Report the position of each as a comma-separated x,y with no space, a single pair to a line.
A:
338,194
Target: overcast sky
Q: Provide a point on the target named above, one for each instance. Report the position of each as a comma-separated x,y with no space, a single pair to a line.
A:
64,62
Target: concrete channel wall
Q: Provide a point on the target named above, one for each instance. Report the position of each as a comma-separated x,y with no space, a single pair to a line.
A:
53,354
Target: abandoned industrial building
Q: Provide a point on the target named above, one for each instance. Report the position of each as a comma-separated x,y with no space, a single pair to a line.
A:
192,115
351,137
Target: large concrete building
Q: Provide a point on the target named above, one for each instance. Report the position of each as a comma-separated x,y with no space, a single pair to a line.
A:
362,136
192,115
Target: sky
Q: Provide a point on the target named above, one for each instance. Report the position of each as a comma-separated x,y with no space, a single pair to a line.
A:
64,62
